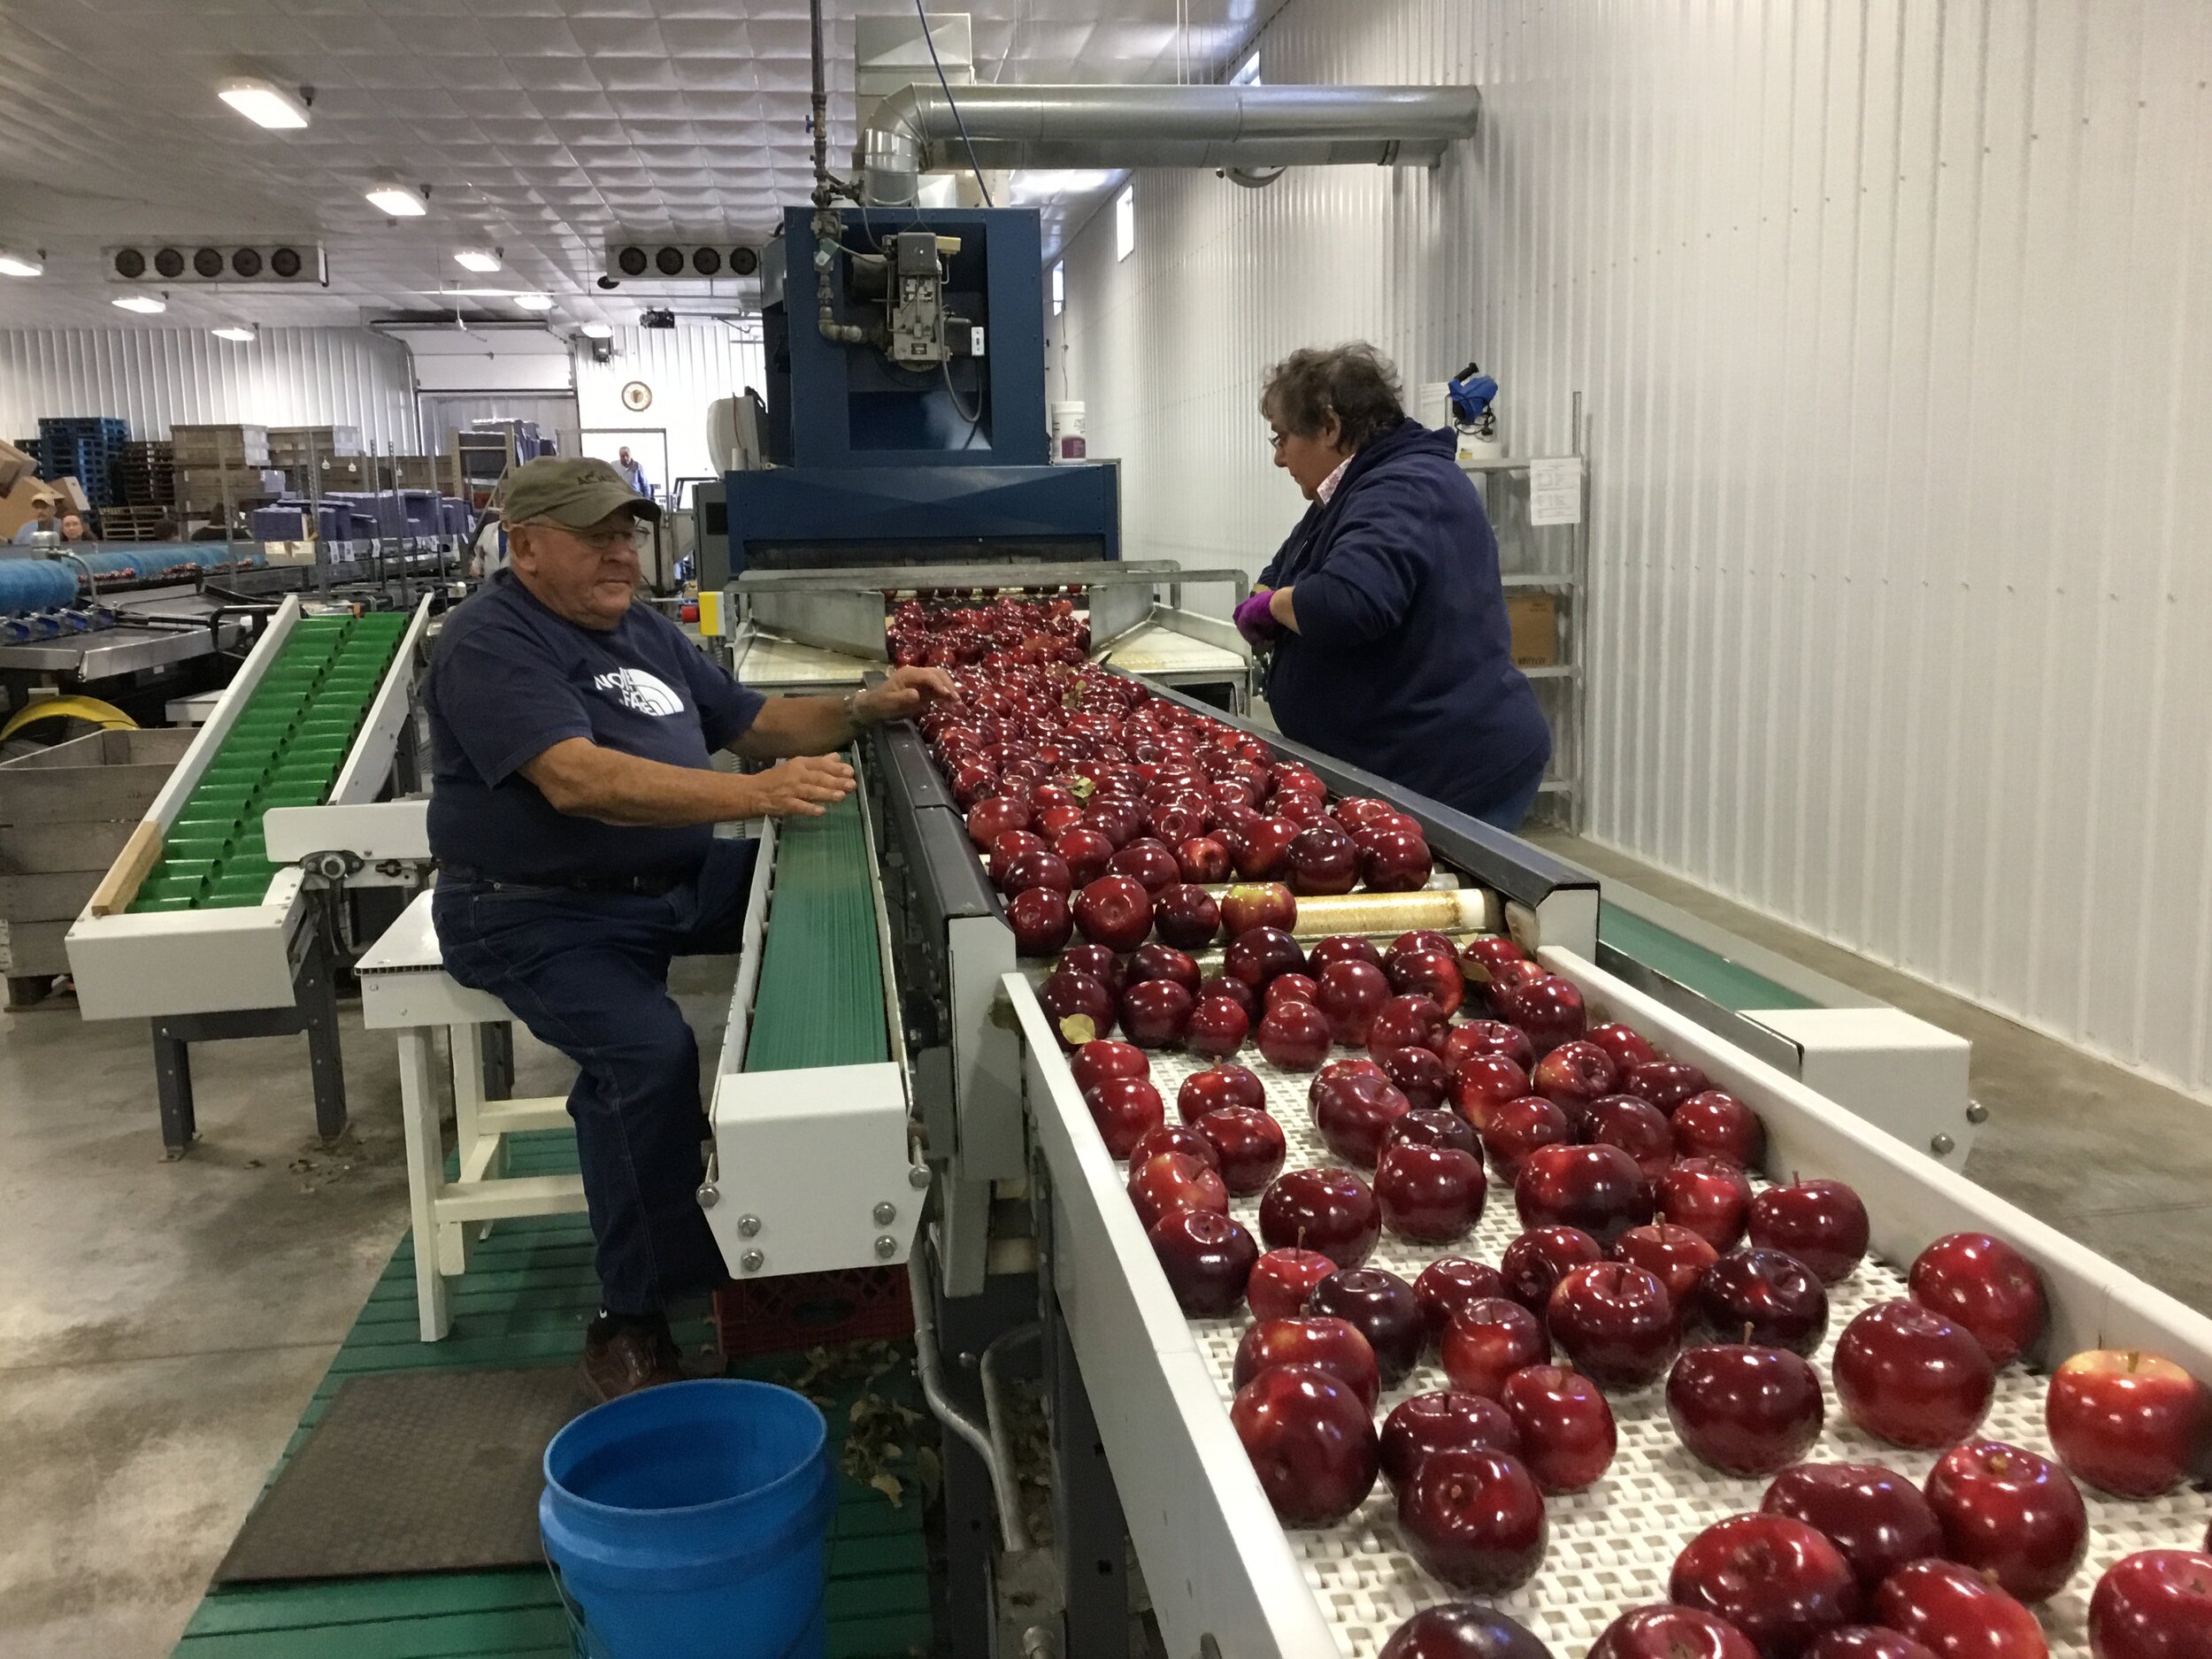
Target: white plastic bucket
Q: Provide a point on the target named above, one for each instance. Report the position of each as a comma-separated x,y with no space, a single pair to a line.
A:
1067,433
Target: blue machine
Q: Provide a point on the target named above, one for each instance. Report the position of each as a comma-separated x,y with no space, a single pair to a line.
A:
920,437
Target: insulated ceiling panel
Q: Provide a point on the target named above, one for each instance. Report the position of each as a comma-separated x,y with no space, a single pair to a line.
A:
539,127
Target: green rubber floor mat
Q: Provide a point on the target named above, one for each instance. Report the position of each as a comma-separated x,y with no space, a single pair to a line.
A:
820,1001
525,1299
1728,983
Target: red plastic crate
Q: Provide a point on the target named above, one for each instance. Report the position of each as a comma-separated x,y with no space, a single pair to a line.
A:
802,1311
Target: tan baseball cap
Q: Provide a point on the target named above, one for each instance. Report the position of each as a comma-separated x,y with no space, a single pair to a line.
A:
574,493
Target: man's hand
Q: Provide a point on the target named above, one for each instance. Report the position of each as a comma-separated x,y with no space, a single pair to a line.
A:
906,692
806,786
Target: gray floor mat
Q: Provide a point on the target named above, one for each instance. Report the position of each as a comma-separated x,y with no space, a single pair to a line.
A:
412,1471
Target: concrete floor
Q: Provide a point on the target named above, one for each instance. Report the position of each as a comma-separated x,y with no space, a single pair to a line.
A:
166,1322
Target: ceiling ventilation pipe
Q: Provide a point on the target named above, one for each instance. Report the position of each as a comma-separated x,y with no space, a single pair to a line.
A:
1242,129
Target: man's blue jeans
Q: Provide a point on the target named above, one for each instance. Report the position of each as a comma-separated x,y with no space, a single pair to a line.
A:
587,973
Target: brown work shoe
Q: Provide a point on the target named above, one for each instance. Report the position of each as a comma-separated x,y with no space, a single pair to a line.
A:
621,1357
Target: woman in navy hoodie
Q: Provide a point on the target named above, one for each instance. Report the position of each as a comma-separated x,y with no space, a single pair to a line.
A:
1388,625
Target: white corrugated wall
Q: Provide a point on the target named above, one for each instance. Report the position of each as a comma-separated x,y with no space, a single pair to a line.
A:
157,377
685,369
1893,321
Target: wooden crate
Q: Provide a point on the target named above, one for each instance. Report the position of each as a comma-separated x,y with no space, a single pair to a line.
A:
65,815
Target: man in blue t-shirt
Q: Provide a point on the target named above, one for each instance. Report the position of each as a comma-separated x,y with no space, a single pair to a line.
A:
572,815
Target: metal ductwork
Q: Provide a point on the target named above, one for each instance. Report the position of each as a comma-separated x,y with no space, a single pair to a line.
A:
1245,129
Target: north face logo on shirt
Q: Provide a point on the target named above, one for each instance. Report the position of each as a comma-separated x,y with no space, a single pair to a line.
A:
647,694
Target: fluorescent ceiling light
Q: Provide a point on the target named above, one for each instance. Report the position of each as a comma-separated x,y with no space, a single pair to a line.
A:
398,201
598,331
244,335
477,260
144,305
534,302
263,104
20,264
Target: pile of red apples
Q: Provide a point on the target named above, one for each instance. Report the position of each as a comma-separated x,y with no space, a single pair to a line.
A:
1131,836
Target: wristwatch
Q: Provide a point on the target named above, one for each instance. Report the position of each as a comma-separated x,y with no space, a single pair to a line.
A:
849,706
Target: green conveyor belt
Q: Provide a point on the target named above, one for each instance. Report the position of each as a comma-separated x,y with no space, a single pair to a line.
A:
1730,984
820,1001
286,749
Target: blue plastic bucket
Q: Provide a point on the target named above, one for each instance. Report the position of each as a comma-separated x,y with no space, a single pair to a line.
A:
692,1519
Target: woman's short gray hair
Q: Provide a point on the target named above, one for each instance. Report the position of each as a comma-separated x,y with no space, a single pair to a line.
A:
1354,383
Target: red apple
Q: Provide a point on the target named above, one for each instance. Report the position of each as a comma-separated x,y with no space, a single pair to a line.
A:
1430,1422
1186,916
1262,850
1218,1087
1294,1036
2155,1604
1097,963
1678,1257
1095,1062
1865,1642
1204,861
1323,859
1342,947
1615,1323
1624,1044
1282,1280
1354,1113
1506,980
1250,906
2128,1423
1333,1211
1910,1376
1125,1108
1331,1344
1637,1127
1395,860
1776,1579
1312,1442
1987,1286
1451,1283
1489,1036
2010,1514
1236,990
1481,1083
1549,1010
1084,851
1430,973
1207,1258
1596,1189
1040,918
1875,1516
1434,1126
1007,849
1412,943
1430,1194
1517,1130
1035,868
1156,1012
1218,1028
1536,1262
1823,1224
1955,1613
1712,1125
1287,987
1381,1307
1485,1342
990,818
1574,1076
1419,1075
1350,993
1175,1181
1568,1435
1114,911
1406,1022
1709,1196
1175,1137
1474,1518
1081,1009
1672,1632
1247,1145
1462,1629
1761,1296
1148,863
1745,1410
1666,1084
1157,961
1481,957
1258,953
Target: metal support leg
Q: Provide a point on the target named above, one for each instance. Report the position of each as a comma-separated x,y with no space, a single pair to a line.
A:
172,1082
317,1001
1092,1535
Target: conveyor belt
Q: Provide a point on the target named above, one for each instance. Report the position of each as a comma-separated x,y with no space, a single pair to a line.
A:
820,1001
286,749
1730,984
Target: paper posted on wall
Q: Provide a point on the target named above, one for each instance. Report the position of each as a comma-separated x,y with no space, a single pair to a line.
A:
1554,491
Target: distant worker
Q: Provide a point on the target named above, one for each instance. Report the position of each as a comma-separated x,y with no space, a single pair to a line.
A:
573,808
45,518
632,474
73,527
1384,612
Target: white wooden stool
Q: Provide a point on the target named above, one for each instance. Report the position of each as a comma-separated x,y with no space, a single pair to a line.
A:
404,987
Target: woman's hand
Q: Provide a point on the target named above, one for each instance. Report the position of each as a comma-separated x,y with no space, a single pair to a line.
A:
1256,621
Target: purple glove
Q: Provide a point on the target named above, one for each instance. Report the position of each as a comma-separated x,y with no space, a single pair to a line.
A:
1256,622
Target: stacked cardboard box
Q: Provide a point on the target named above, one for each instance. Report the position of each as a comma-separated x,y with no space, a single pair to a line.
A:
202,447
